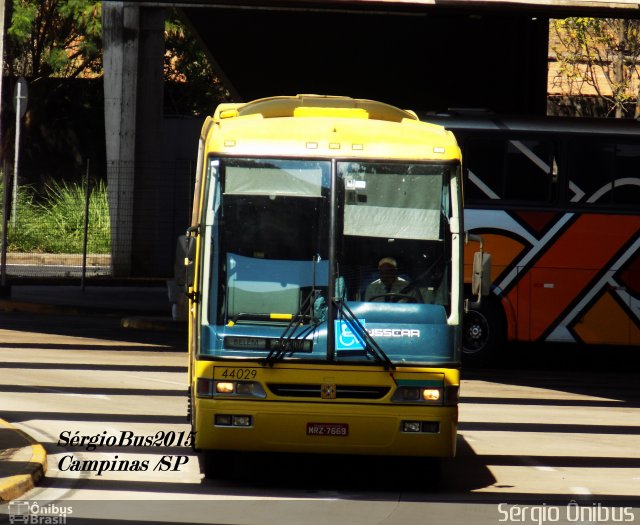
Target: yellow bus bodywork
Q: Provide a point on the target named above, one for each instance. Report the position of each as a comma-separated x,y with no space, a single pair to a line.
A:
345,128
281,424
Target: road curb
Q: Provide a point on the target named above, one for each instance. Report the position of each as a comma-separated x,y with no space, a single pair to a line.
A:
128,320
30,458
7,305
162,324
133,321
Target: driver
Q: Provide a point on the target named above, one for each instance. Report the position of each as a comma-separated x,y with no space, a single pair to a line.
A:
388,283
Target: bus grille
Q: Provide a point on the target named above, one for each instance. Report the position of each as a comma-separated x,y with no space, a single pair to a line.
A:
314,391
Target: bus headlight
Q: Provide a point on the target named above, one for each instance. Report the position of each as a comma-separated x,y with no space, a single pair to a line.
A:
247,388
209,388
419,394
225,387
232,420
430,394
239,389
411,426
241,421
420,427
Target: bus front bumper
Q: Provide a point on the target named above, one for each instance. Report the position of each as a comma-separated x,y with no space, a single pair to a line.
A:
326,428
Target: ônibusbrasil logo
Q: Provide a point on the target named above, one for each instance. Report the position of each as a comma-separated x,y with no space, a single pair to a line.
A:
35,513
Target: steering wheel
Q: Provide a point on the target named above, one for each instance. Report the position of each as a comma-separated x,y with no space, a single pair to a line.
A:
395,297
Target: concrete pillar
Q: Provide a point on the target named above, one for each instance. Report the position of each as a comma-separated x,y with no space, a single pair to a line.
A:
153,199
133,39
120,39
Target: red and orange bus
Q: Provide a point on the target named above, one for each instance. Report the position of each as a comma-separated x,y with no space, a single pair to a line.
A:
557,202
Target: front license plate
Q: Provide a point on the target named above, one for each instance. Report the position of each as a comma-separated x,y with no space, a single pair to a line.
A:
328,429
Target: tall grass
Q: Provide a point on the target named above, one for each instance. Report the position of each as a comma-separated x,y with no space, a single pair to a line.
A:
55,223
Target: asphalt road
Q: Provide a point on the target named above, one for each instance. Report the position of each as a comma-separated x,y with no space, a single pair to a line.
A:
545,444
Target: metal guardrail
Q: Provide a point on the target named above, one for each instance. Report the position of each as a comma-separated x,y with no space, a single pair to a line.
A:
58,265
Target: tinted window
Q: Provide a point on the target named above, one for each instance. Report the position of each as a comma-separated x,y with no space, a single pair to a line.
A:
626,186
521,170
591,164
484,162
603,171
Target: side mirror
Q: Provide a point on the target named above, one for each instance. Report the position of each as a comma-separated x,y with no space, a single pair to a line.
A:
481,277
189,251
481,273
179,268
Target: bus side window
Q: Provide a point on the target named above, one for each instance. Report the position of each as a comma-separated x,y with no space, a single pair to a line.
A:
625,191
484,169
530,173
511,169
591,163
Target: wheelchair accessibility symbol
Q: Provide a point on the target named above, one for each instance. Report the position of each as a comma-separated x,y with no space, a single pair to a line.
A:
347,337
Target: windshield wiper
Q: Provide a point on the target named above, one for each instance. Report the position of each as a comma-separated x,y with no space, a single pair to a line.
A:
272,317
371,347
290,342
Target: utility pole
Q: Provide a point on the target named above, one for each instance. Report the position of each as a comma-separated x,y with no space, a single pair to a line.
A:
2,24
5,290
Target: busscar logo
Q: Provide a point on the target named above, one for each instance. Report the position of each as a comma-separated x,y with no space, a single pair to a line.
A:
36,513
393,332
350,337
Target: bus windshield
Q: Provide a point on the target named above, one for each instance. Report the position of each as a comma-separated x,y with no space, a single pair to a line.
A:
284,234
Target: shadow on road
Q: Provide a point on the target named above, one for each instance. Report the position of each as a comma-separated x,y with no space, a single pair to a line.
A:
105,328
322,472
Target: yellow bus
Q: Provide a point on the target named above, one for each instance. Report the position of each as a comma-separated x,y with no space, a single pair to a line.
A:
324,276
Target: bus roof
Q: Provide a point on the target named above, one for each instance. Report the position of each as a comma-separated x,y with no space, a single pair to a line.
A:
326,126
484,120
283,106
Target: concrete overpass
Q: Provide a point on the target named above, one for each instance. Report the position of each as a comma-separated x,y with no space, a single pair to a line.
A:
420,54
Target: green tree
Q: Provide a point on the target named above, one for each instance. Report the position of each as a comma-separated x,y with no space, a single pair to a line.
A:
50,42
195,86
63,38
54,38
601,54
